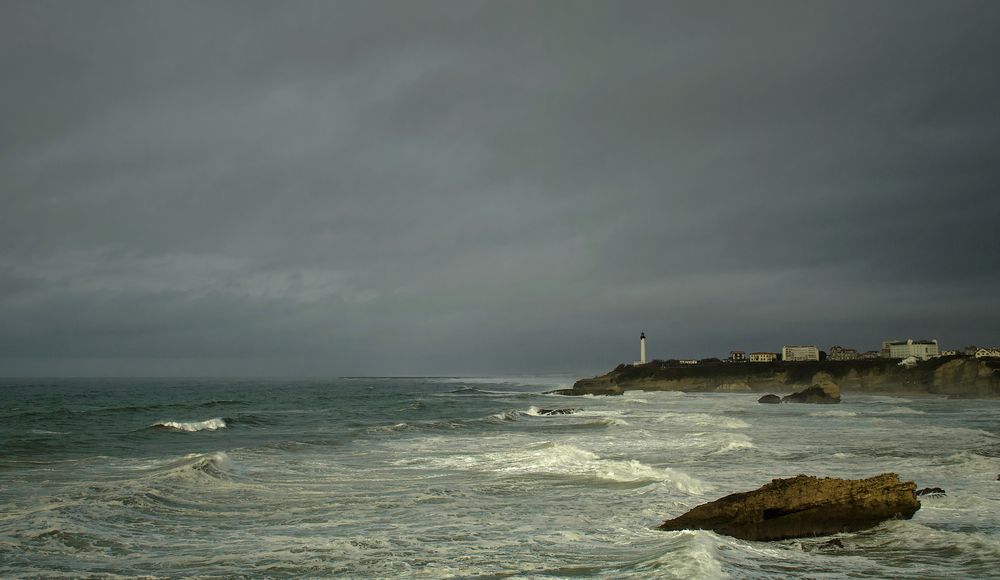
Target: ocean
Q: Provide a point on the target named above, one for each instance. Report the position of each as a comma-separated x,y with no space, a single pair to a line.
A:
465,478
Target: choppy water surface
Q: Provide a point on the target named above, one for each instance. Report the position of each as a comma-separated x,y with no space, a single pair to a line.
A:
464,478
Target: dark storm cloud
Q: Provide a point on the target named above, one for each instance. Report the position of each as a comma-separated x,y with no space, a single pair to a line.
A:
449,187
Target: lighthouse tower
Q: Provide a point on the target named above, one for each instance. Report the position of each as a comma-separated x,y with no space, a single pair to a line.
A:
642,348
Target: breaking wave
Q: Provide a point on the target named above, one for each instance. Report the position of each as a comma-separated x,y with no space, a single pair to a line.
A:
705,420
214,464
506,416
192,426
743,442
561,460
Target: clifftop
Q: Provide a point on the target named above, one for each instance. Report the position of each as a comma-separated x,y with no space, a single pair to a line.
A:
953,376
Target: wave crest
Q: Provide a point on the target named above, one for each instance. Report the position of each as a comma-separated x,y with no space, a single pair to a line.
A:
705,420
193,426
561,460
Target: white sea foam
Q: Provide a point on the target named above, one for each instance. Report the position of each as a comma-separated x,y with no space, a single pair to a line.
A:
559,459
390,428
835,413
691,554
736,444
211,462
599,412
704,420
512,415
192,426
910,535
635,397
903,411
413,502
970,463
612,422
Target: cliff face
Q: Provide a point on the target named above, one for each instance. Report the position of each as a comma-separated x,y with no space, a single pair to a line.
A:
953,376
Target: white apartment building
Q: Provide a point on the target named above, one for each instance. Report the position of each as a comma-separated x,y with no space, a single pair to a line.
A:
800,352
921,349
988,353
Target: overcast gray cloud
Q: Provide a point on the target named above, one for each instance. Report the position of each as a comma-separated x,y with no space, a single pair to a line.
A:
329,188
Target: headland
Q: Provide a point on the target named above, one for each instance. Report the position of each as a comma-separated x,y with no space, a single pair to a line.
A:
953,376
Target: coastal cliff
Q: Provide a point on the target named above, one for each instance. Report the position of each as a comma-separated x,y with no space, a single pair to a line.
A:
950,376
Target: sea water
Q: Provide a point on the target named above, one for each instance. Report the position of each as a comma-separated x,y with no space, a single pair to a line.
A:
451,477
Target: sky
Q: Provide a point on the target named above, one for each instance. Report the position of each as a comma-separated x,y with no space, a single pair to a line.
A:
443,188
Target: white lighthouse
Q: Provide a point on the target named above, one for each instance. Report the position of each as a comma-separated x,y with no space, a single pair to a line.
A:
642,348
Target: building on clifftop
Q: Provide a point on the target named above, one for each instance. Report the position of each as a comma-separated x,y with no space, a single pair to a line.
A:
799,353
920,349
843,353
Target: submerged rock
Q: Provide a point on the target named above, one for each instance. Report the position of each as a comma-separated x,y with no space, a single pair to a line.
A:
557,411
834,544
818,394
932,491
804,506
769,399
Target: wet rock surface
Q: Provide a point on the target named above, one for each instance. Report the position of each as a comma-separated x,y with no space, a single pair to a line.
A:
769,399
557,411
816,394
834,544
804,506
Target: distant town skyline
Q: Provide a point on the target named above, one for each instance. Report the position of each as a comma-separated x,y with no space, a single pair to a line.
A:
447,188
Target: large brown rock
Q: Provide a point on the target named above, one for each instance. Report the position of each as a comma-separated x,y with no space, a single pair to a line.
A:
804,506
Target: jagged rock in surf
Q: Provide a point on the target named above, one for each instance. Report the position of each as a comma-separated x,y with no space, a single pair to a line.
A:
931,491
557,411
804,506
817,394
834,544
769,399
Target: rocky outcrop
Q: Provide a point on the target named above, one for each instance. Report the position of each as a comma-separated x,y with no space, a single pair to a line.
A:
557,411
804,506
816,394
769,399
931,491
950,376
